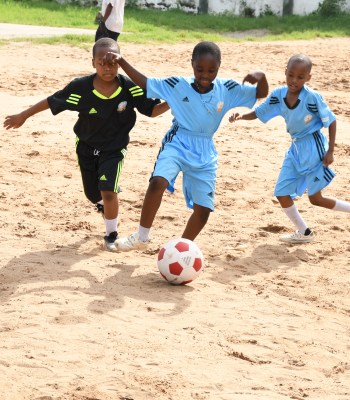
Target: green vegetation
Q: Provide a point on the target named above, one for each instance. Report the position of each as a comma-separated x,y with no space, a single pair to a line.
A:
144,26
330,7
47,13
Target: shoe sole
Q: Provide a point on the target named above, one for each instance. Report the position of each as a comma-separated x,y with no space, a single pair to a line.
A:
125,248
293,241
109,248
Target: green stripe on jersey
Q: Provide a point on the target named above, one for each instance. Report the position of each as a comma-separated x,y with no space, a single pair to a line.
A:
112,96
73,98
136,91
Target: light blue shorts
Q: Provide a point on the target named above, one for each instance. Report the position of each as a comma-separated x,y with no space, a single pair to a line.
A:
303,169
196,157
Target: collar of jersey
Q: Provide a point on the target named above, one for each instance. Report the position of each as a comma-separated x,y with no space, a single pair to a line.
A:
112,96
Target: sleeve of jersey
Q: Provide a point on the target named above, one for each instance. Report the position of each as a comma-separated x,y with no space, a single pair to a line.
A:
64,99
269,109
241,95
143,104
326,115
161,88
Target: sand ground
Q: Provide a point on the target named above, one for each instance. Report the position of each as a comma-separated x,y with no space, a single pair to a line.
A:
264,321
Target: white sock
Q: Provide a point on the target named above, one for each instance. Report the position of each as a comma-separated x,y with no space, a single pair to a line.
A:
144,234
341,205
111,225
294,215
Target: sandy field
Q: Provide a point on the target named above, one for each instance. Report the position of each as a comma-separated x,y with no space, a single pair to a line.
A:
265,320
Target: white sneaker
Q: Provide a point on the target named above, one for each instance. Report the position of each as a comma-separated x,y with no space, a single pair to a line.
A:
131,242
297,237
110,240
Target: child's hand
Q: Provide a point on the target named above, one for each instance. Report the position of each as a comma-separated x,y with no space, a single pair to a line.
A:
14,121
111,58
254,77
235,117
328,158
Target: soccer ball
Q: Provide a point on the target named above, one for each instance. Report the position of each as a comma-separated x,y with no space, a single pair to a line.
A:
180,261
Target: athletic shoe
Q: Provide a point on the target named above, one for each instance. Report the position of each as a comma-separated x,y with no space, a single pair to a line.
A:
131,242
110,241
297,237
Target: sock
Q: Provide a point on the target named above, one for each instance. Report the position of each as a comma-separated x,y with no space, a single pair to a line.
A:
341,205
307,232
294,215
144,234
111,225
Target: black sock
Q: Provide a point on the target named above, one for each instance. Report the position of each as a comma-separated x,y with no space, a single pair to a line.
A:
307,232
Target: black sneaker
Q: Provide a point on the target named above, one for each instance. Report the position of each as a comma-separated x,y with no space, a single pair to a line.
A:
100,208
110,241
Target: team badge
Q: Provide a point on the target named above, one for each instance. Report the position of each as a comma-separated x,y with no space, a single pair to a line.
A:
220,106
308,118
122,106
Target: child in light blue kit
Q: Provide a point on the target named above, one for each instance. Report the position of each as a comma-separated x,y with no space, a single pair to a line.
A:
198,104
306,164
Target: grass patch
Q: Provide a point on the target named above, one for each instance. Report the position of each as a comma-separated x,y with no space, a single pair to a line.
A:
152,26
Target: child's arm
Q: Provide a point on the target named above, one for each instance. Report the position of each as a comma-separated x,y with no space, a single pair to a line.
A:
159,109
262,87
328,158
133,73
247,117
17,120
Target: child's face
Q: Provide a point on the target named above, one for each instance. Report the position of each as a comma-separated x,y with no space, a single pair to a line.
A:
105,71
205,69
297,74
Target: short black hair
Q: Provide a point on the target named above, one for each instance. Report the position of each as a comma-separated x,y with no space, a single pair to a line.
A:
107,43
205,48
300,58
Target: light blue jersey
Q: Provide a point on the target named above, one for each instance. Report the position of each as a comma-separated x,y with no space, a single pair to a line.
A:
309,114
196,113
302,167
188,145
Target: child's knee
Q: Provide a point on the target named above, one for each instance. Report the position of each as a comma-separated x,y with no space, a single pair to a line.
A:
203,213
317,200
108,196
158,184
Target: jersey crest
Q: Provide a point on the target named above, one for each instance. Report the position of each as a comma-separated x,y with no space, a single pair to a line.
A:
220,106
307,118
122,106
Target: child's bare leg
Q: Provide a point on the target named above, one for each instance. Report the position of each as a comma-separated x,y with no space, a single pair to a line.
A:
110,203
285,201
152,200
151,204
196,222
317,199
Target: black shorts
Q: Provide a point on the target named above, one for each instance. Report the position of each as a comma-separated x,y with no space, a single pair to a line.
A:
100,170
102,32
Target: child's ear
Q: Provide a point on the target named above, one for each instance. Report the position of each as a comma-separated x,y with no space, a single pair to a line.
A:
93,62
309,77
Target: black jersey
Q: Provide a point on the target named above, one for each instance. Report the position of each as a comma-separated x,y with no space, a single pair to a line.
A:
104,123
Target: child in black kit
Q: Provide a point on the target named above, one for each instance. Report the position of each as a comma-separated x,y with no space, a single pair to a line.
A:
105,102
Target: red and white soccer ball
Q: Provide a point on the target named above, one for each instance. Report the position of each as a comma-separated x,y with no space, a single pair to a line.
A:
180,261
